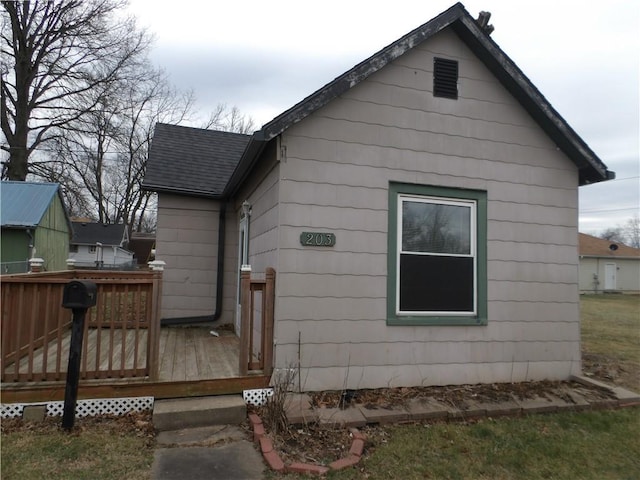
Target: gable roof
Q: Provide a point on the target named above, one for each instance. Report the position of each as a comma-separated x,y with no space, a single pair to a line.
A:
590,246
23,204
92,233
192,161
591,169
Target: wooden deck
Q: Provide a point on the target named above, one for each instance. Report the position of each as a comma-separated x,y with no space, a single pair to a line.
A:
194,354
186,354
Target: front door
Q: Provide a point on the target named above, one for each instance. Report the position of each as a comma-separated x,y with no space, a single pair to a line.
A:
243,259
610,276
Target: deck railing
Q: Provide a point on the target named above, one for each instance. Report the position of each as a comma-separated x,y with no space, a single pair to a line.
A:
256,328
121,336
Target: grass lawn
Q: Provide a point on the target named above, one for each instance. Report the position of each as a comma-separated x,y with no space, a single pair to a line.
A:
611,338
592,445
588,445
96,449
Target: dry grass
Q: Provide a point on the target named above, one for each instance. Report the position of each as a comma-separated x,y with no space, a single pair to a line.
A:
105,448
611,338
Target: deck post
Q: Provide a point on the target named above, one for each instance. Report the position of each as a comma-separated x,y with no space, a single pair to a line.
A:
268,320
245,316
153,334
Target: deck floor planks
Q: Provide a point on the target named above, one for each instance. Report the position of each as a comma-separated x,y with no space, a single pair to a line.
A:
185,353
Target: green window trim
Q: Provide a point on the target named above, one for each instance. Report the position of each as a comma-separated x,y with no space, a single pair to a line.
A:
480,197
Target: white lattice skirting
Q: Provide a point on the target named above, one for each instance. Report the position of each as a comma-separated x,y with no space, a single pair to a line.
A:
257,396
85,408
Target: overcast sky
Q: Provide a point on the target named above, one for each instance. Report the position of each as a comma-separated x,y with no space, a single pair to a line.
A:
265,56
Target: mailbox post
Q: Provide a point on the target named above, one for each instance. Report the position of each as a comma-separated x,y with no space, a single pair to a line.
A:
79,296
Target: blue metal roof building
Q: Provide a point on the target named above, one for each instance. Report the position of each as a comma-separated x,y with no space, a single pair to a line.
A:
23,204
34,224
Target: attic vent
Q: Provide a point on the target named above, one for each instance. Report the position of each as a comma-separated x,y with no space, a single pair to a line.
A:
445,78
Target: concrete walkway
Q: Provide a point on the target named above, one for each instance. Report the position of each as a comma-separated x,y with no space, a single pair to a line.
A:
220,452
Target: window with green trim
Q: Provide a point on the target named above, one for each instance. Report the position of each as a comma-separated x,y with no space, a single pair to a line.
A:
437,256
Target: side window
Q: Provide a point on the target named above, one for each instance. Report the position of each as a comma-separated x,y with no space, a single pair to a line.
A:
437,256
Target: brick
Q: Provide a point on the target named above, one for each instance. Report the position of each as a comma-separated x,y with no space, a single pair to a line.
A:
334,417
258,432
357,446
266,445
345,462
383,415
540,404
625,396
426,409
502,409
255,419
274,461
34,413
307,468
302,417
355,433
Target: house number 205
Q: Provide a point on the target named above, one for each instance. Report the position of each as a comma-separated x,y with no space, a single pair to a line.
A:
317,239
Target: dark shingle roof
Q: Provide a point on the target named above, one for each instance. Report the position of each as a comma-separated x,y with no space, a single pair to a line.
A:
22,204
92,233
192,161
208,159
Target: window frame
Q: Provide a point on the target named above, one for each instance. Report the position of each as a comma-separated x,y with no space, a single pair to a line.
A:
400,191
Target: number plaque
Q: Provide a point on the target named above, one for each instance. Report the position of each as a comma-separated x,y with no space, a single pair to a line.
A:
317,239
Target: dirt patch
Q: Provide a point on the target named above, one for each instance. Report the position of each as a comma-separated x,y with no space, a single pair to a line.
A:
612,371
139,424
457,396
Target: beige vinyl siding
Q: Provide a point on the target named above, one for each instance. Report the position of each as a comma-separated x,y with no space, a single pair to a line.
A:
262,193
187,240
335,178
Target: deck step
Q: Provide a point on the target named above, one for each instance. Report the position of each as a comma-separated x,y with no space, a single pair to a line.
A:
182,413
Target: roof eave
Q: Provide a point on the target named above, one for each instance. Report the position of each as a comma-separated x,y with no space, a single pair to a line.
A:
591,168
181,191
254,148
360,72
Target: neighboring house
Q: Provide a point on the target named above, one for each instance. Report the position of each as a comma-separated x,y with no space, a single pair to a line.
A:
420,211
100,245
607,266
34,225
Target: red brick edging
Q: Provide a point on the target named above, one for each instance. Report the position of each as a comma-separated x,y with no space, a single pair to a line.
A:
275,462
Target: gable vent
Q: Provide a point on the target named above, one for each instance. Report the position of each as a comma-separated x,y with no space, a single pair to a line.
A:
445,78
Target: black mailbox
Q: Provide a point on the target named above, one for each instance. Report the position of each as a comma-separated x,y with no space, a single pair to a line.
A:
79,294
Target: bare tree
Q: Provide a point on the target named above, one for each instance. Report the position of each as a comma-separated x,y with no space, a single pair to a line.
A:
101,160
58,58
632,231
628,234
229,120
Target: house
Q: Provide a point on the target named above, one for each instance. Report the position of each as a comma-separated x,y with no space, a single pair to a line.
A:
420,212
607,266
100,245
34,225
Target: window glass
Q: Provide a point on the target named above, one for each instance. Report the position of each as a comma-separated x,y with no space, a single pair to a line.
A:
431,227
437,256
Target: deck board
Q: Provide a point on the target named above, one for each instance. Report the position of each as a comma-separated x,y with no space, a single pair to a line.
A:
186,354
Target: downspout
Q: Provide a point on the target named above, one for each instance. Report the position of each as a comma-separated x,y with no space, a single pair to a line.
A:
219,280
